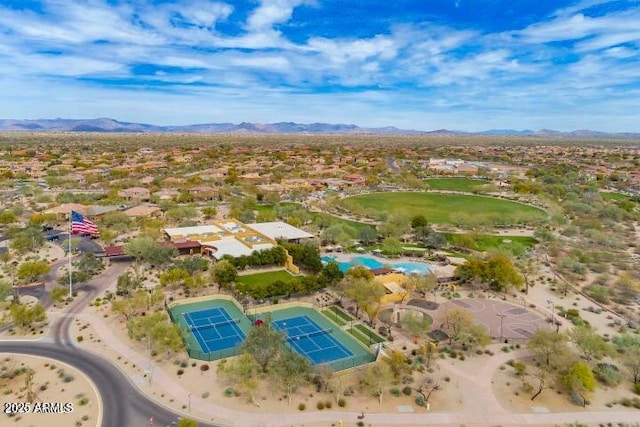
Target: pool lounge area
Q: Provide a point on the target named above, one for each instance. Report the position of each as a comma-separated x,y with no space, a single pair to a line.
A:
345,262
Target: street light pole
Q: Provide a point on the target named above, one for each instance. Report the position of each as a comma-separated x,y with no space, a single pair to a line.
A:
150,368
501,316
553,311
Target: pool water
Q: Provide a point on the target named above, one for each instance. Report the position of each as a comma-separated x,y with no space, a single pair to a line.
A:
371,263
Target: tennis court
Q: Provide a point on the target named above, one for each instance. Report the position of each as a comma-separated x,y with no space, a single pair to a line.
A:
214,329
311,341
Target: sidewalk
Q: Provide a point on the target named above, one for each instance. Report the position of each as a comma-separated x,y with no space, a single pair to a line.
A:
485,409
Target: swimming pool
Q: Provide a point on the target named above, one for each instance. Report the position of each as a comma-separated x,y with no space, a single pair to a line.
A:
371,263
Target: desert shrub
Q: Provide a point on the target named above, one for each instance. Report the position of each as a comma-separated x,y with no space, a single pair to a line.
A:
320,406
636,388
608,374
229,392
204,368
80,338
302,407
68,378
407,391
342,403
577,399
394,392
420,401
328,404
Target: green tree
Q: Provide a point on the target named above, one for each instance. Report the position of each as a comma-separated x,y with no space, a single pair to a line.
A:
89,264
462,329
193,264
423,283
242,372
502,274
580,379
173,277
395,226
628,347
416,323
291,371
181,213
146,249
24,316
331,273
367,235
30,271
392,246
399,364
116,220
164,335
209,212
362,291
131,305
265,345
224,273
419,221
548,346
589,342
377,378
127,284
58,294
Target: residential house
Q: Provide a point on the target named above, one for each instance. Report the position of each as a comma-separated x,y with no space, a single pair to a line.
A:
135,194
144,211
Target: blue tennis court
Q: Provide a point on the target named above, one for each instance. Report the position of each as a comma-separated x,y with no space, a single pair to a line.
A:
214,329
310,340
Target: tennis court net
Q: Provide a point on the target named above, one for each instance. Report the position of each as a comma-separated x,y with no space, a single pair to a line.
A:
213,325
308,334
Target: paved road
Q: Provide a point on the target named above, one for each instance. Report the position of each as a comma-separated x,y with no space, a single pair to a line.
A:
122,404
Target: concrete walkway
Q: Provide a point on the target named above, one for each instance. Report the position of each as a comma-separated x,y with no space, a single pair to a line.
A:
484,409
480,404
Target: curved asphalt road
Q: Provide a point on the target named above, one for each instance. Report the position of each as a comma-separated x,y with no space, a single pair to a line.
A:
122,404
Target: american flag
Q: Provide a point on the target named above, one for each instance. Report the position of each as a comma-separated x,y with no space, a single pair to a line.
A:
80,224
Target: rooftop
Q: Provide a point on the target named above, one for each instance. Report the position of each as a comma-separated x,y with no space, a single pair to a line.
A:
280,230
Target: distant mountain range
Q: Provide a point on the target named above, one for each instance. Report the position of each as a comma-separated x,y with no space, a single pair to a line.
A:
110,125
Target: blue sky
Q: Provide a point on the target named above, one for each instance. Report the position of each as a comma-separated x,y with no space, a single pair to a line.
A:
415,64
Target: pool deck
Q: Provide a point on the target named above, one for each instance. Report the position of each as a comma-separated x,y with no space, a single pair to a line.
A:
438,270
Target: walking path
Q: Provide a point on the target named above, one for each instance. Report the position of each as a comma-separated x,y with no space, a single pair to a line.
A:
481,405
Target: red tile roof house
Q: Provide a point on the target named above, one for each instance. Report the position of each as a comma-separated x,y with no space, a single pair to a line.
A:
355,179
135,194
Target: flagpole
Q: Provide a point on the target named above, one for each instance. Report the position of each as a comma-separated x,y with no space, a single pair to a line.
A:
69,252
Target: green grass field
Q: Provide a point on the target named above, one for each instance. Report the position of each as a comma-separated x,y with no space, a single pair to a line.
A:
263,279
485,242
454,209
456,184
